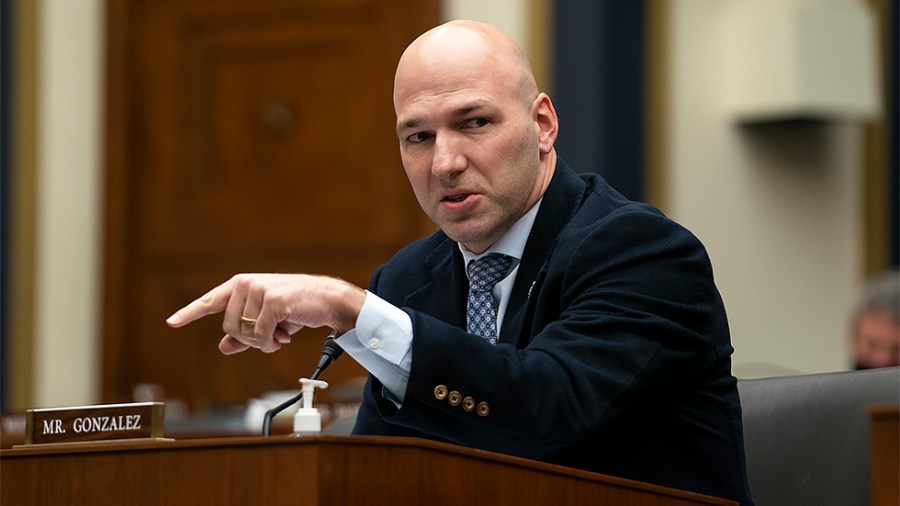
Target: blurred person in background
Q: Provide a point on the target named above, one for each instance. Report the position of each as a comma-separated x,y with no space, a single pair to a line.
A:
875,323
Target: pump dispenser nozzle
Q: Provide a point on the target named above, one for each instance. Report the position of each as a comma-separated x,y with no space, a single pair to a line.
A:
308,420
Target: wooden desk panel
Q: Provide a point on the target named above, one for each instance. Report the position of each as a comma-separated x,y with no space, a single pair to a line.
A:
319,470
885,455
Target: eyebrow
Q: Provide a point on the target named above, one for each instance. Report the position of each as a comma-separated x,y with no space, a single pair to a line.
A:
413,123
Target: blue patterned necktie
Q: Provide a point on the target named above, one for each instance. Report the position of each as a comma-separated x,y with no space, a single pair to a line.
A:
484,273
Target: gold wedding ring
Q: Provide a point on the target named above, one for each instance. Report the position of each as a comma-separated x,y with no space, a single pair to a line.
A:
248,321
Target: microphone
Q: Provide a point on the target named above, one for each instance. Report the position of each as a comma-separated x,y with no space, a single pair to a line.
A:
330,352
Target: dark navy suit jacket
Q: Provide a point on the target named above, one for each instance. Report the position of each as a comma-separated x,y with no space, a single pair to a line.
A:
614,354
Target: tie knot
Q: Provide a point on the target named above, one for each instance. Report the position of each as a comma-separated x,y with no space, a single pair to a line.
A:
485,272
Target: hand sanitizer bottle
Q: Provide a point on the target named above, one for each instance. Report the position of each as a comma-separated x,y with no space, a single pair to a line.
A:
308,421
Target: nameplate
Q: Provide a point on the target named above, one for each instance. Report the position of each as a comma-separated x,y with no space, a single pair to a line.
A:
104,422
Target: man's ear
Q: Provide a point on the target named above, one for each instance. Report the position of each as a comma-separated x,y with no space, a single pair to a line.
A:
546,122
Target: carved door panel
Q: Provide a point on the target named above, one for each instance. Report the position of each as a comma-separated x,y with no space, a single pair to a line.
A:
251,135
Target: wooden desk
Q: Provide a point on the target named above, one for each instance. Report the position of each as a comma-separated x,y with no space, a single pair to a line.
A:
317,470
885,424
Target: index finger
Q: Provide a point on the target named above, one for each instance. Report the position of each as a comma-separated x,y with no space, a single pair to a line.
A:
215,301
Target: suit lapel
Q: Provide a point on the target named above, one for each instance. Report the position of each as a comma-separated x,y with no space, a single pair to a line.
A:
444,296
562,198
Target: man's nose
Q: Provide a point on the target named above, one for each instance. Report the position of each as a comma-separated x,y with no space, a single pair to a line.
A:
449,159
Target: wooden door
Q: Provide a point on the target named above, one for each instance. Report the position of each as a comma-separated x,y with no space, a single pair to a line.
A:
245,135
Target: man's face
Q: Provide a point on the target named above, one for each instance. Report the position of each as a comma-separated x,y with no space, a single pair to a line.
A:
469,144
877,341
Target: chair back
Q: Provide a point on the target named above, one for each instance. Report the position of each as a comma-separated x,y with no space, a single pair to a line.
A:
807,437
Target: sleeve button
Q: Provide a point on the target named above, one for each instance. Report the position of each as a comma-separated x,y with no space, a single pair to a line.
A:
374,343
483,409
468,404
440,392
454,398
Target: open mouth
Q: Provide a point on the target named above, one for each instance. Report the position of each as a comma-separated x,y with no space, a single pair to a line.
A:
456,198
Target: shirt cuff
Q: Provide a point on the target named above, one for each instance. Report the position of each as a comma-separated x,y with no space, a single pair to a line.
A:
382,343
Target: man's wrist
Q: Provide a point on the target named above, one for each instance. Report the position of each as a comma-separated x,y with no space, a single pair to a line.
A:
347,303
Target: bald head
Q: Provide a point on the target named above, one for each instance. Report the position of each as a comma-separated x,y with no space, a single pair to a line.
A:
464,53
476,137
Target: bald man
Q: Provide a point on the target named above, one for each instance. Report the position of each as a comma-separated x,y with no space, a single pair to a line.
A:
549,318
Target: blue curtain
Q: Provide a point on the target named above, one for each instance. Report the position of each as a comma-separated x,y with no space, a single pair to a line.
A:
893,132
5,121
599,89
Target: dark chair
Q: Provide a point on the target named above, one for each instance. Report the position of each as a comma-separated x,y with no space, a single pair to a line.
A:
807,437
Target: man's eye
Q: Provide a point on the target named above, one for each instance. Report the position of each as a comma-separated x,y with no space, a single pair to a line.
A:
418,137
476,123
